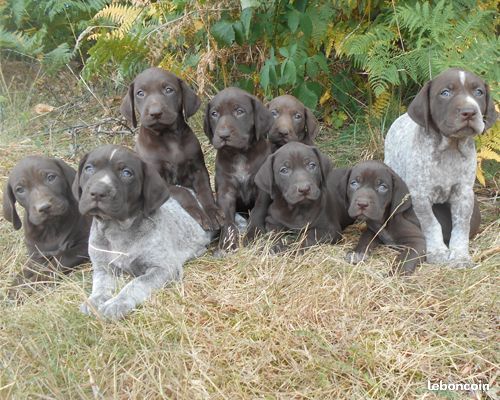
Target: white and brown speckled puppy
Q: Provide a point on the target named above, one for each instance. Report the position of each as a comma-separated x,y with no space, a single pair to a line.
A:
432,149
136,229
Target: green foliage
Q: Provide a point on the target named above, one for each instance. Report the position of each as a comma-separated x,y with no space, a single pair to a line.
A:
45,30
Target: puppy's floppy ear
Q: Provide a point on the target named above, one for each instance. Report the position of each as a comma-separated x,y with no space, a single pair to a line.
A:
9,207
77,189
264,179
262,118
206,124
312,126
400,201
154,189
490,116
190,100
68,172
127,107
325,165
420,108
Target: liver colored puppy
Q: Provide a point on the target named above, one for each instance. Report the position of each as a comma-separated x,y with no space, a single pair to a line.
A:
303,188
164,103
136,229
293,122
55,233
236,124
376,194
432,149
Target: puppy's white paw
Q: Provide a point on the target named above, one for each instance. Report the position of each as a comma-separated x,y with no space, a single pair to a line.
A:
353,257
460,261
92,304
438,257
115,308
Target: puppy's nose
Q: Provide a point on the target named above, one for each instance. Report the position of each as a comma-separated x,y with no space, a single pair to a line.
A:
99,193
362,204
44,207
304,189
284,133
156,114
224,134
468,113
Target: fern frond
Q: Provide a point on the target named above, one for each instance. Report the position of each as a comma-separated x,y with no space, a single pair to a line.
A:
123,16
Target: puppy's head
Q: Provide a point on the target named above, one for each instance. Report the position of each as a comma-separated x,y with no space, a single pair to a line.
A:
236,119
160,98
297,171
374,191
42,186
114,183
293,122
456,103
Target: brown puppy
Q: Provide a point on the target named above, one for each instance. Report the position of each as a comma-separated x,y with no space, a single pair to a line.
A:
293,122
55,233
303,188
164,103
236,124
376,194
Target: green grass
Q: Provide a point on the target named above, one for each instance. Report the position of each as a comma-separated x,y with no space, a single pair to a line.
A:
251,325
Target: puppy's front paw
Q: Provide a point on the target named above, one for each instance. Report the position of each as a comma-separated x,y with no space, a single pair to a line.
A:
353,257
229,238
92,304
438,257
460,261
115,308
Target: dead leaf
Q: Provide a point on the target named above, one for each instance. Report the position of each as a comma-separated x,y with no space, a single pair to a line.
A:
43,108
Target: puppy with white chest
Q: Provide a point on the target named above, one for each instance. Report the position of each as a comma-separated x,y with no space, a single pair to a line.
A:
55,233
136,229
432,149
293,122
376,194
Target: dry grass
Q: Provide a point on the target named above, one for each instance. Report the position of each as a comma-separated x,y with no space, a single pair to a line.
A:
251,325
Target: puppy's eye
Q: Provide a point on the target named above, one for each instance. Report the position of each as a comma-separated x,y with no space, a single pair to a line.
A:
19,190
51,177
275,113
284,171
214,114
297,116
478,92
446,93
168,90
311,166
127,173
354,184
382,188
89,169
140,93
240,112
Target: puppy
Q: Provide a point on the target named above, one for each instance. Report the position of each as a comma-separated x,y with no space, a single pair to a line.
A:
55,233
164,103
293,122
303,189
136,229
236,124
376,194
432,149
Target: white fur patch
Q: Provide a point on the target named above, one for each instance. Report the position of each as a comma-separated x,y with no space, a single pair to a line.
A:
461,75
106,179
112,154
472,102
